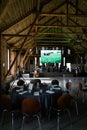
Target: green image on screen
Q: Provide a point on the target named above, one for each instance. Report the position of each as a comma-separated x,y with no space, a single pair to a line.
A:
50,56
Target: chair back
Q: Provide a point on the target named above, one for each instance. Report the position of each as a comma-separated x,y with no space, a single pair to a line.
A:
31,106
64,101
5,101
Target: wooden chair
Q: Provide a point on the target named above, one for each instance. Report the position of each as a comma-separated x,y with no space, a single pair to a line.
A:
64,103
31,107
6,105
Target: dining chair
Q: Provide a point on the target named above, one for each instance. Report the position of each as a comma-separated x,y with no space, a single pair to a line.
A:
6,105
31,108
64,103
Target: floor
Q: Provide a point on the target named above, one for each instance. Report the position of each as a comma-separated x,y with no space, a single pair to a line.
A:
78,122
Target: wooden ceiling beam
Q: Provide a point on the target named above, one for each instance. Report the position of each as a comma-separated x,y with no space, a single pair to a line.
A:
15,35
55,38
32,33
54,45
60,26
62,15
42,33
52,41
57,33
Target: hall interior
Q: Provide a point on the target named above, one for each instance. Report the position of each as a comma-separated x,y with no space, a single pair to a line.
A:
49,38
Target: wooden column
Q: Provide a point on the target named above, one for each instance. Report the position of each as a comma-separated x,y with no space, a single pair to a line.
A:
3,58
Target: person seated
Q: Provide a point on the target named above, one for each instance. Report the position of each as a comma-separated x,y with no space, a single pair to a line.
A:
36,73
68,86
20,85
20,82
55,84
70,89
57,89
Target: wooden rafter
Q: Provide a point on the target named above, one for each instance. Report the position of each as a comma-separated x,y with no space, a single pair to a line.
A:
62,15
17,21
56,33
60,26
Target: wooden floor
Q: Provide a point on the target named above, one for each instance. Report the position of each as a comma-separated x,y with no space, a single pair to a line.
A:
78,122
